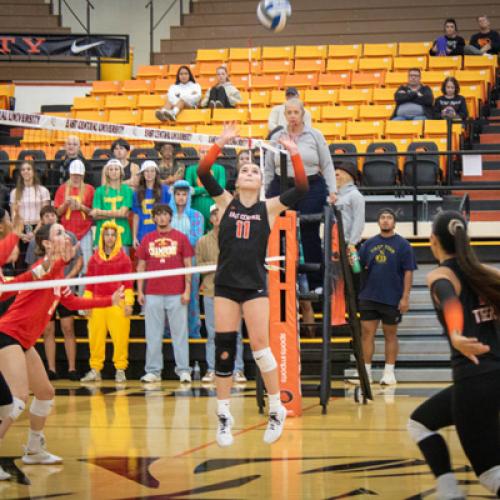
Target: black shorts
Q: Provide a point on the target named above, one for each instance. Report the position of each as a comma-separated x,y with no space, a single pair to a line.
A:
369,311
239,295
7,340
62,312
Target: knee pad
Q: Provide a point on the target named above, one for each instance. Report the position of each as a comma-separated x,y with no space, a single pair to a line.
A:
41,407
16,409
491,479
418,432
225,353
265,360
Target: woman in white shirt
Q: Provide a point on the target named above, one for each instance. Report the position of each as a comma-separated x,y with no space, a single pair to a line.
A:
186,93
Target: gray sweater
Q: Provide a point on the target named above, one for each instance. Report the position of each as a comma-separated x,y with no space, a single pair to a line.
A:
315,155
351,204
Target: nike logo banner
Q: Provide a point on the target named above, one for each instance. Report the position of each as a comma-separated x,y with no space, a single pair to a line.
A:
63,46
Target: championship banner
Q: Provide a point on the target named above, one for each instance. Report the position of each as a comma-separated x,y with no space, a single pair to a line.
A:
46,45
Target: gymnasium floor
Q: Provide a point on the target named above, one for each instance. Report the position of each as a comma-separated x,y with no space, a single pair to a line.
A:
127,443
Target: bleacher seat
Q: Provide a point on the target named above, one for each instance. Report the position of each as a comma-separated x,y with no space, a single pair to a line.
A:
381,170
486,61
321,96
445,62
194,116
147,101
365,130
332,130
380,50
283,52
428,171
376,111
311,51
339,113
120,102
124,116
395,79
375,64
334,80
267,82
161,86
212,55
259,115
414,48
105,87
309,66
208,68
153,72
276,66
245,54
341,65
345,51
403,129
433,77
301,80
136,87
148,118
355,96
407,63
87,103
383,96
368,79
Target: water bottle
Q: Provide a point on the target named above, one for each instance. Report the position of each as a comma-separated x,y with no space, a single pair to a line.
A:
356,266
196,371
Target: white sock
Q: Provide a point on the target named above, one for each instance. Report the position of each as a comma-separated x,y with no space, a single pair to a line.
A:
274,402
35,440
368,368
490,479
447,486
389,368
223,407
175,110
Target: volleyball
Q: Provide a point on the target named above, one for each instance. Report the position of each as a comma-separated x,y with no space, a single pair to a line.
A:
273,14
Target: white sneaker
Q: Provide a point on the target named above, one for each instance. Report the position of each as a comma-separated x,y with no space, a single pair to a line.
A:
209,377
355,381
239,377
120,376
224,437
42,457
275,425
388,378
185,377
4,475
150,378
91,376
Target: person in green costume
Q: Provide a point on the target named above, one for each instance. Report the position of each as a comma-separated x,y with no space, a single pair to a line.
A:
113,201
200,199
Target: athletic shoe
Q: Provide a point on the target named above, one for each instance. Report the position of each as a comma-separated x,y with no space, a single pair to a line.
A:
73,376
4,475
185,377
275,425
120,376
161,114
209,377
224,437
150,378
388,378
355,381
42,457
52,375
91,376
239,377
211,104
218,104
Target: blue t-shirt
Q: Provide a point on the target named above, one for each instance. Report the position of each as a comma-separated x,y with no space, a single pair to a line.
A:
143,210
384,261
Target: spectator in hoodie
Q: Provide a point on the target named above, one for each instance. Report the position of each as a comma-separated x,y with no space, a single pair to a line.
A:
109,259
185,94
450,44
222,95
451,104
487,41
413,100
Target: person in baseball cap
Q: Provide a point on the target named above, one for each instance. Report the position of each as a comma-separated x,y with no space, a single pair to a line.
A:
291,92
77,167
149,164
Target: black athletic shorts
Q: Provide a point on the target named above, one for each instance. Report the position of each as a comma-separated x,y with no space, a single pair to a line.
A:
62,312
239,295
389,315
7,340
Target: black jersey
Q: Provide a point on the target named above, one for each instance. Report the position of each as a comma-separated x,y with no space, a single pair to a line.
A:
479,322
243,236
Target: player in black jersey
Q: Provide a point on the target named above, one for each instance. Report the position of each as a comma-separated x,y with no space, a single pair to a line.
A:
240,279
466,296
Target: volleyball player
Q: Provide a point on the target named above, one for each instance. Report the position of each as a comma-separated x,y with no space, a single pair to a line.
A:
240,279
20,327
466,296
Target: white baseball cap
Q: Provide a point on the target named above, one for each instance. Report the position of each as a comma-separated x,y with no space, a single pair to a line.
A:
213,208
149,164
114,161
77,167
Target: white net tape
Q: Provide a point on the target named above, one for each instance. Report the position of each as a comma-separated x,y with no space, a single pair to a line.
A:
113,278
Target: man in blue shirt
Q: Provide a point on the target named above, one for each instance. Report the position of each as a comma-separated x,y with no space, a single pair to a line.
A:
388,262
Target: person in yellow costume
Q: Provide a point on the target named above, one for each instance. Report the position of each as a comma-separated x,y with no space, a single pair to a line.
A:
109,258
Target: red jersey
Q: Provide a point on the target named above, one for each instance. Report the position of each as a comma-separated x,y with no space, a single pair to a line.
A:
27,317
165,251
7,245
76,221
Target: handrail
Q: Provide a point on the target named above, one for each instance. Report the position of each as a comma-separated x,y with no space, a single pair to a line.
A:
75,15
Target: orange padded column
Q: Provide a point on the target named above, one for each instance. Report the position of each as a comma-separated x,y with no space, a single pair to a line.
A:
338,305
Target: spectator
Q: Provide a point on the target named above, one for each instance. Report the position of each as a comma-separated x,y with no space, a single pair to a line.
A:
413,100
450,44
121,150
112,201
451,104
207,252
73,202
388,262
320,172
201,200
26,201
244,157
277,116
149,192
165,248
108,259
190,223
186,93
71,152
222,95
170,170
487,41
48,215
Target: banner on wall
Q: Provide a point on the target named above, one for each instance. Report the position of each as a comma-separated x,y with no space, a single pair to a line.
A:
61,46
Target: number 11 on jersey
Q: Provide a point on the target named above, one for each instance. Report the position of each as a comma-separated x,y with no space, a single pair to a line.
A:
243,229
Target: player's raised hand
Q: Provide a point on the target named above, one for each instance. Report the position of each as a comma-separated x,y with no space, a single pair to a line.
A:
229,132
289,144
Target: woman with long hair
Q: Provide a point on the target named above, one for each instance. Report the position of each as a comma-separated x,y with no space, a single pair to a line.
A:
185,94
466,296
223,94
451,104
149,191
241,280
20,327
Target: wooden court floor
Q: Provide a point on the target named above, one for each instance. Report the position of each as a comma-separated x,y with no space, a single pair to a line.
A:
127,442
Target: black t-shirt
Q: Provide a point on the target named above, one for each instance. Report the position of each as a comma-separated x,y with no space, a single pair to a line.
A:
457,103
243,236
455,45
479,40
479,322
